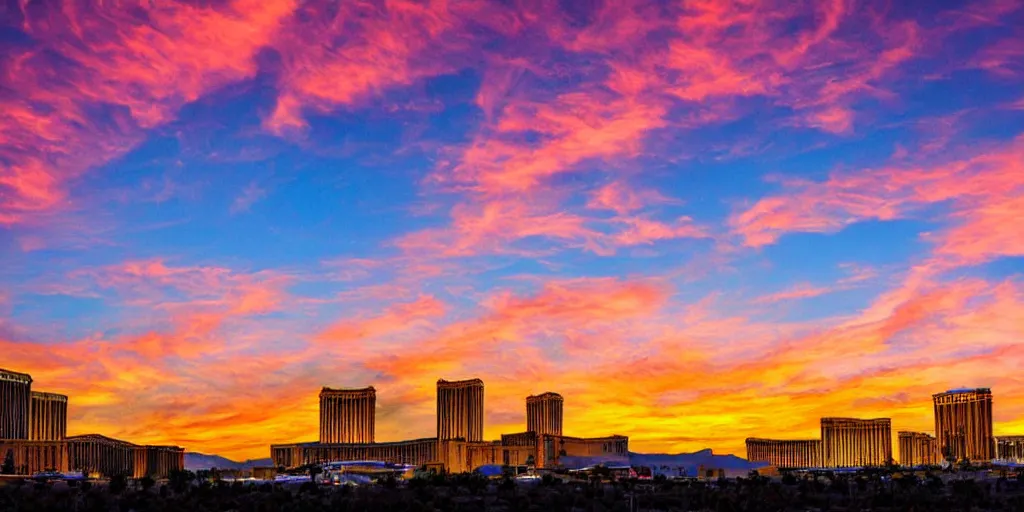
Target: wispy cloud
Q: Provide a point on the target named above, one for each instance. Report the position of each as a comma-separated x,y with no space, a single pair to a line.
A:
250,195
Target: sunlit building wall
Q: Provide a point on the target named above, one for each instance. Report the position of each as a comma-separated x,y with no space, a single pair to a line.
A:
98,455
48,417
416,452
785,453
460,410
963,424
157,461
31,457
544,413
1010,449
918,449
855,442
347,415
15,404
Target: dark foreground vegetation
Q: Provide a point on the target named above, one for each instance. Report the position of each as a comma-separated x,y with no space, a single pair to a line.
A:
474,493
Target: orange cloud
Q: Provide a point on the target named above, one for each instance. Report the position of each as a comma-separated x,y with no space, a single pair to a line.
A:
655,365
399,317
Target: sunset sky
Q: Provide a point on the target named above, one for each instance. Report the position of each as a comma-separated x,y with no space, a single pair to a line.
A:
698,221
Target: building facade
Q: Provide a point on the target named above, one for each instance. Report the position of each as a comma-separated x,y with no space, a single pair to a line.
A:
157,461
348,415
103,456
855,442
459,446
963,424
15,404
98,455
48,417
544,413
795,453
578,452
31,457
415,451
918,449
460,410
1010,449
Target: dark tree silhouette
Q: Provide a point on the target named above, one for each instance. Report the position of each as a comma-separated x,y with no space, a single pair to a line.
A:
118,484
8,466
180,480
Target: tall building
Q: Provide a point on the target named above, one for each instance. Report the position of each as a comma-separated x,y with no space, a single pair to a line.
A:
460,410
48,418
796,453
459,445
854,442
15,404
1010,449
918,449
544,413
347,415
157,461
963,424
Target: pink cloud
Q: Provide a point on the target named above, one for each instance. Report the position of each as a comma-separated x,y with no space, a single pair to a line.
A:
623,199
108,58
983,192
798,291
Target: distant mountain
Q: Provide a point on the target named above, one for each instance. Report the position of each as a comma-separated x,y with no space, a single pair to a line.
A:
691,461
195,461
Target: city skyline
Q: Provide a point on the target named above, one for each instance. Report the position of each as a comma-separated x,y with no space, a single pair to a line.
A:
696,221
963,419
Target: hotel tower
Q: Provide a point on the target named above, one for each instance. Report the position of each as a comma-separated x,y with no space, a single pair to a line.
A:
918,449
785,453
15,404
544,413
853,442
963,424
48,417
460,410
347,415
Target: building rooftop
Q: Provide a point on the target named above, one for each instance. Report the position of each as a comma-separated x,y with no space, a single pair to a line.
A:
969,390
99,438
343,391
836,419
15,376
546,394
317,444
454,383
164,447
913,433
44,395
762,439
964,391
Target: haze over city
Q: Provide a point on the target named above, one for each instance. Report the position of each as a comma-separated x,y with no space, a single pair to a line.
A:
698,222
